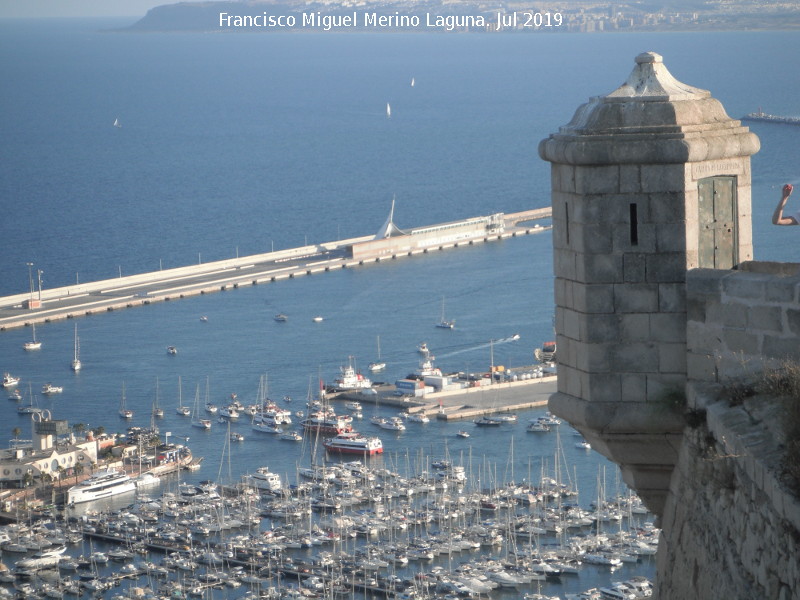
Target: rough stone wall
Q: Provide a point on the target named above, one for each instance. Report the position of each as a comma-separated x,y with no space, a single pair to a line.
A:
731,529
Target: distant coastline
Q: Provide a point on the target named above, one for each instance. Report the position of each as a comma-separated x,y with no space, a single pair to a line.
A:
439,17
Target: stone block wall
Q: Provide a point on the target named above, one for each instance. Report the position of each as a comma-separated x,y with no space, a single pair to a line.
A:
739,322
731,525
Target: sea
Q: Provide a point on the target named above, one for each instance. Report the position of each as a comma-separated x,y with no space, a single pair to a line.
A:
236,144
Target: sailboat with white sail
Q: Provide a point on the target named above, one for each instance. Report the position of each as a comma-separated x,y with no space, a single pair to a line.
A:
388,111
34,344
76,357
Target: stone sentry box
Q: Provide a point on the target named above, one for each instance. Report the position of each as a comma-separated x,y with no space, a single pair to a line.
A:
648,182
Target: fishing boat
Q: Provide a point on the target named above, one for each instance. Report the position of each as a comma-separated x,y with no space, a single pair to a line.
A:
281,318
354,443
172,350
34,344
486,422
378,365
76,356
9,380
124,412
103,484
48,389
444,323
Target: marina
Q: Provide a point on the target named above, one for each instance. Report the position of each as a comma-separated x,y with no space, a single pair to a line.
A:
345,528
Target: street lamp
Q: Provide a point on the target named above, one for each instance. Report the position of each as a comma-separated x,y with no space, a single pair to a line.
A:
39,273
30,276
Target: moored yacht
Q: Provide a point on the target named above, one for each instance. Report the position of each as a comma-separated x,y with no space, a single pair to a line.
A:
264,479
49,389
354,443
102,484
9,380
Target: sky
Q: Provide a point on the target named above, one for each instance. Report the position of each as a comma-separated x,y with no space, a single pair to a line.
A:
77,8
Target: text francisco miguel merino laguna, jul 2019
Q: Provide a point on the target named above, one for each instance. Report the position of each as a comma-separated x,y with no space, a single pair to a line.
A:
373,20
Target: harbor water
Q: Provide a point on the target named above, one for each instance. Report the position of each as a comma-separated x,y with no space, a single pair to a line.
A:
237,144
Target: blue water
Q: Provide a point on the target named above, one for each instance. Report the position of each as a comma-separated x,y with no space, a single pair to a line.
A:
237,144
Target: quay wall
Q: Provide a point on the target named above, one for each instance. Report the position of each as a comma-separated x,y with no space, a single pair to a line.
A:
119,293
116,283
466,403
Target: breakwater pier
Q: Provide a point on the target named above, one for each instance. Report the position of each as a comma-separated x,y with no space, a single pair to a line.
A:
42,306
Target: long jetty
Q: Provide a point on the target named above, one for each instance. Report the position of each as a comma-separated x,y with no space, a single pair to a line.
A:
44,306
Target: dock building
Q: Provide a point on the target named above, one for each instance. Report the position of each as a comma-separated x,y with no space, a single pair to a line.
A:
391,240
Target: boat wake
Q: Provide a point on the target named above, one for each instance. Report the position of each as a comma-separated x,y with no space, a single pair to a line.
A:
471,348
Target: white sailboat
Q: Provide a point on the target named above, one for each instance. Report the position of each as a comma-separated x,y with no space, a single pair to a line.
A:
378,365
157,410
388,111
444,323
196,420
181,409
117,123
33,344
76,359
412,82
125,413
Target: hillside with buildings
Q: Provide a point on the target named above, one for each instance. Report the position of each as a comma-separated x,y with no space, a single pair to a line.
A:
436,16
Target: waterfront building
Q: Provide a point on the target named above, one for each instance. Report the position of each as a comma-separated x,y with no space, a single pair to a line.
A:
47,453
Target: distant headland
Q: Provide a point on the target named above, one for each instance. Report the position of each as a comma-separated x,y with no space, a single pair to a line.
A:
439,16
